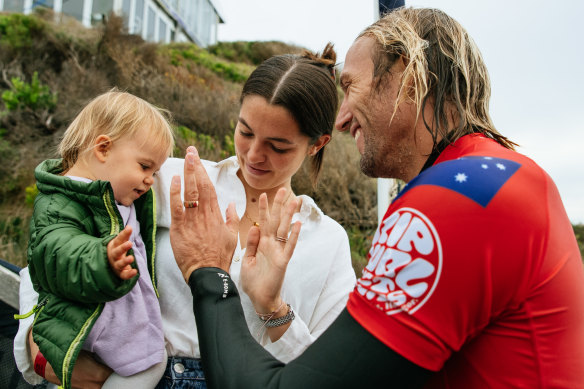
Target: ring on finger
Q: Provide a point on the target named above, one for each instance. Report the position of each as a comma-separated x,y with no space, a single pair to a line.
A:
191,204
280,239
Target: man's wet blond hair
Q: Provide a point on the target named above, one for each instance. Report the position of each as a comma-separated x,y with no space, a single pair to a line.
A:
115,114
444,68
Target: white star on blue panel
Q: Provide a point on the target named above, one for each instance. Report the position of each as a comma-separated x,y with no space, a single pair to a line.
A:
483,186
460,177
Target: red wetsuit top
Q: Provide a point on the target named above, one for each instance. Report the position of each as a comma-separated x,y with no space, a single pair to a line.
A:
475,273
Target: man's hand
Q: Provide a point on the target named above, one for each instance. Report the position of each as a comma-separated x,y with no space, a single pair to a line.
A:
198,235
116,254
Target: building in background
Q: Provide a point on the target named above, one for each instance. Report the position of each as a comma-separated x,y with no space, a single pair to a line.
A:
155,20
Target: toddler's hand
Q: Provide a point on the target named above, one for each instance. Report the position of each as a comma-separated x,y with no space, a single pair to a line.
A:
116,254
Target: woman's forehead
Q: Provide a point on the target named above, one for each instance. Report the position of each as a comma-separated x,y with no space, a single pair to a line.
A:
258,115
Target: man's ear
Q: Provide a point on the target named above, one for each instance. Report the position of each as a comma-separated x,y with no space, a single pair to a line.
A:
101,147
319,144
404,63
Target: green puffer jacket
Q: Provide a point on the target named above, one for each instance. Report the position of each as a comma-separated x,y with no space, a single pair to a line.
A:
71,226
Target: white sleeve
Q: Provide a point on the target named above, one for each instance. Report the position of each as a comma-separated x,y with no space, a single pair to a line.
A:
28,298
331,301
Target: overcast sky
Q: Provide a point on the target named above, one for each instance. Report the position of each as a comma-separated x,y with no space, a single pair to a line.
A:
533,50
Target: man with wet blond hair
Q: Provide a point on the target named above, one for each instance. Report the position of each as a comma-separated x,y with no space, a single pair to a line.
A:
474,280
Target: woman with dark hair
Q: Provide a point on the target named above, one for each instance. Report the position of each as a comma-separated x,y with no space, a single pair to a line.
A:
288,108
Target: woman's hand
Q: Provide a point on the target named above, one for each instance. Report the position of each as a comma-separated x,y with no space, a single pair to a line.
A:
269,249
87,373
198,235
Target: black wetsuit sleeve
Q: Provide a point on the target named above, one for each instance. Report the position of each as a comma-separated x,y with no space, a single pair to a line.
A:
344,356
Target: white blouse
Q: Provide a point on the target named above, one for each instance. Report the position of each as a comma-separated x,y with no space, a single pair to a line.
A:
317,284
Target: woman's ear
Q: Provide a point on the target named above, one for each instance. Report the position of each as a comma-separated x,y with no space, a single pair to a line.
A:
101,147
319,144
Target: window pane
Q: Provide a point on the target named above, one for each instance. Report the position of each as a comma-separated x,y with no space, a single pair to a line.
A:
73,8
151,19
46,4
138,16
161,31
126,12
102,7
14,5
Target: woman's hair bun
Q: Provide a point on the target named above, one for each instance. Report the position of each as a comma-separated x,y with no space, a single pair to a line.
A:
326,60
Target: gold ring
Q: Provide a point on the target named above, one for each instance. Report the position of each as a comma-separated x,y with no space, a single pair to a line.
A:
280,239
191,204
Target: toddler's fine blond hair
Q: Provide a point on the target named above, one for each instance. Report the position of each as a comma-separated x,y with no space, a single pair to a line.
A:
116,114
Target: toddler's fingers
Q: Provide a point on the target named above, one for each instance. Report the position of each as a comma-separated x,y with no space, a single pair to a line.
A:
128,273
126,233
123,236
122,267
117,252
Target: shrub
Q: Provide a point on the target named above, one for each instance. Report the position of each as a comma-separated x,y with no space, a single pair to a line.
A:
343,192
24,95
185,54
360,242
208,146
17,31
228,145
252,53
14,234
7,156
31,193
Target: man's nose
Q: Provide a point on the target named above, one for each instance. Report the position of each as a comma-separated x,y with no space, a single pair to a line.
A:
344,117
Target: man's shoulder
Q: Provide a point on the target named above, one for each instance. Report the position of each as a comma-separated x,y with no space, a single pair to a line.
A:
478,178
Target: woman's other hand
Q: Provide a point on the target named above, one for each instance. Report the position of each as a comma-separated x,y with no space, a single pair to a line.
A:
269,249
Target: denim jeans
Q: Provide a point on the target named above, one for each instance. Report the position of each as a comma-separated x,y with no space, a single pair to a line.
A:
183,373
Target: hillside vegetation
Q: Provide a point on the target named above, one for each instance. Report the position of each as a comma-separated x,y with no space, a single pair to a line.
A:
50,71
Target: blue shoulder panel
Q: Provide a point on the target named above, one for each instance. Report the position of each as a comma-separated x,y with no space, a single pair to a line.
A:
478,178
